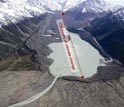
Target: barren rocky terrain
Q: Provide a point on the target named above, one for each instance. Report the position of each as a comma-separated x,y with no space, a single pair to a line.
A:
18,86
77,94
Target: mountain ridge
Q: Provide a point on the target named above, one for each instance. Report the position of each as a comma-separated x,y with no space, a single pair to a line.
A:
13,11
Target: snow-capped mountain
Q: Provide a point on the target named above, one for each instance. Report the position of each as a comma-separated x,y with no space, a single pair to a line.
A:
68,4
11,10
98,6
50,5
15,10
118,15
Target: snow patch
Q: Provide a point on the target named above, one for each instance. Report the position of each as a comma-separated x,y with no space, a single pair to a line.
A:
47,35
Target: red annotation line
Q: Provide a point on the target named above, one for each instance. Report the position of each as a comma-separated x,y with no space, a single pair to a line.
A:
61,26
82,76
77,59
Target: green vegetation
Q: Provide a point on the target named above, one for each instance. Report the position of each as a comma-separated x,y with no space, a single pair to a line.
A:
23,63
4,64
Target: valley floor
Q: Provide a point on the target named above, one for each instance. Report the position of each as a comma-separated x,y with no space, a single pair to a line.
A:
18,86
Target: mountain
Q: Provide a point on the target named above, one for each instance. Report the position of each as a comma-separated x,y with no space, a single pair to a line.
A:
67,4
28,27
109,32
19,19
98,6
14,54
90,9
14,11
118,15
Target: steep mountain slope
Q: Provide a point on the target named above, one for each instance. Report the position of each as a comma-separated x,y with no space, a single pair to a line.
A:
13,11
109,31
98,6
68,4
13,51
90,9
